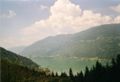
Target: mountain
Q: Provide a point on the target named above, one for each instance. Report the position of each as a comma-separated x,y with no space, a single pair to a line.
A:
15,73
16,59
100,41
76,51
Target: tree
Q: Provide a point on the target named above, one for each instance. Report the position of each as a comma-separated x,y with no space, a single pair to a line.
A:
52,74
80,77
63,74
56,74
86,71
71,75
70,72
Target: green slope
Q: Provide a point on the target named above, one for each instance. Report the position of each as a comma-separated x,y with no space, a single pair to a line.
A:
102,41
16,59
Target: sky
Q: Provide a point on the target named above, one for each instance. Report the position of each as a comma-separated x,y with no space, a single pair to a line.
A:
22,22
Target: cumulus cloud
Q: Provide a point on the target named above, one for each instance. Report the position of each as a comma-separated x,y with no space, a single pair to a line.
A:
9,14
66,17
116,8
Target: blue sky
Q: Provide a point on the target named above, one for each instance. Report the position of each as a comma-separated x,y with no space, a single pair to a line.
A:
17,15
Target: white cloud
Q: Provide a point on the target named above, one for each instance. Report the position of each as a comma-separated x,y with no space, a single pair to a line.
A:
65,17
116,8
9,14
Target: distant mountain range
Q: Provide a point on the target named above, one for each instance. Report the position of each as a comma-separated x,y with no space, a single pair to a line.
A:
100,41
16,59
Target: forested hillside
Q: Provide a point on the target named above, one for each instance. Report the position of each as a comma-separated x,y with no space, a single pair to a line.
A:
16,59
12,72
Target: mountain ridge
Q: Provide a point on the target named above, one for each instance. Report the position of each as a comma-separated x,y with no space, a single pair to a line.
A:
16,59
56,44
